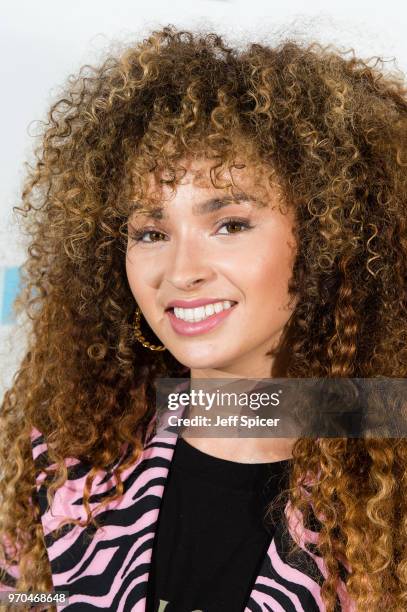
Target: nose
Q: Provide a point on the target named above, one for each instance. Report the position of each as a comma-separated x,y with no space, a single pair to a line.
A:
189,266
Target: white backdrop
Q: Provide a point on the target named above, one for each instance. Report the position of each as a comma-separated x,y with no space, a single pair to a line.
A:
41,43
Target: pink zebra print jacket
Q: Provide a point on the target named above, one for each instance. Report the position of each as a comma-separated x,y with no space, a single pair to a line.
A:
110,570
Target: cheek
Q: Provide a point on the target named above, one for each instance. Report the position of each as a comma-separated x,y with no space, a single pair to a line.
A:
270,274
130,274
135,279
142,291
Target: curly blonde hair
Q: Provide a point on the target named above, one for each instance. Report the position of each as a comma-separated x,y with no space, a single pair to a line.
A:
333,130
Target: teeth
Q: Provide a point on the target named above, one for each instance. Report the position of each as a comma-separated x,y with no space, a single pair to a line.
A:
209,309
193,315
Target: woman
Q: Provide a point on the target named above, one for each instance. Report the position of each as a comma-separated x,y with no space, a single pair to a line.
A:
271,183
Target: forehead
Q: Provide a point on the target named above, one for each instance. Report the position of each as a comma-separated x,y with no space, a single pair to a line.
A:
212,187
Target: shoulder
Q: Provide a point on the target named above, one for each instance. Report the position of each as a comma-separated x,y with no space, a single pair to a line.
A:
67,500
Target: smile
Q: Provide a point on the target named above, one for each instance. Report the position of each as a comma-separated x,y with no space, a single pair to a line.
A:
192,321
194,315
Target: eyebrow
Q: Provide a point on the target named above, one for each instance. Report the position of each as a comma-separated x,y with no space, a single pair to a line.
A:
203,208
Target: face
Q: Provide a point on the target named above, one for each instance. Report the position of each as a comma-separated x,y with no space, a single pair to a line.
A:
220,249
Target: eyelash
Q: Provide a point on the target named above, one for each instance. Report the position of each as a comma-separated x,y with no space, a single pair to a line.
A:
138,235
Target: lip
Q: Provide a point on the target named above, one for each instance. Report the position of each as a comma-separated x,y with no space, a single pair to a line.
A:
195,303
186,328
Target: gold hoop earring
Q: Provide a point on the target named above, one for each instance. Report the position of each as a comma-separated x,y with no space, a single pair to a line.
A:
139,336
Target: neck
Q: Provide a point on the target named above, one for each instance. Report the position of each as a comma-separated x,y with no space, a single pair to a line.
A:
233,447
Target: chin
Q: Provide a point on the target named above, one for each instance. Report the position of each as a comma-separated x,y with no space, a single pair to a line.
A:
209,362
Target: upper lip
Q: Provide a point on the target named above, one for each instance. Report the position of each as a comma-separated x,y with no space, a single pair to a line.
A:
195,303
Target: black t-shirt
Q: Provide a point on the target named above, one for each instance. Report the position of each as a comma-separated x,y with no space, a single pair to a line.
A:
211,537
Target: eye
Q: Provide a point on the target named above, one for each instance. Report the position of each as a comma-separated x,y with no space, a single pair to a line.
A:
137,236
236,222
231,222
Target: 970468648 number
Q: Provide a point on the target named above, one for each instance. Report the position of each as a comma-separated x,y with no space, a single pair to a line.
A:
34,598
